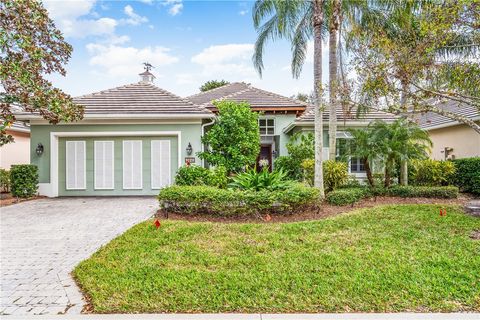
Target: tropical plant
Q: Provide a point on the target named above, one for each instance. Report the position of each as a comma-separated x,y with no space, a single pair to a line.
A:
298,22
364,147
335,174
212,84
234,140
300,147
31,47
398,142
430,172
255,180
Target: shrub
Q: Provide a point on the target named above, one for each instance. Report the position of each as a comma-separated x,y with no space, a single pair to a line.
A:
346,196
430,172
467,174
335,174
194,175
352,182
4,180
300,147
253,180
423,191
24,180
230,202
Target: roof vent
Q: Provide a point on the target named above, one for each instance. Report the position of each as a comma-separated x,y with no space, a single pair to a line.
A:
147,76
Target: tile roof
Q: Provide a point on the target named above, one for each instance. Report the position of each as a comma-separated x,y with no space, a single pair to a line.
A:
137,98
348,115
239,91
430,120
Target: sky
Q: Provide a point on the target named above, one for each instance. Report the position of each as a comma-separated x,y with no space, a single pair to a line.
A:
187,42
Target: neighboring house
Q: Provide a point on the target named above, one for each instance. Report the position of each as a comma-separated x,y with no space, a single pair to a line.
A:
17,152
134,138
450,138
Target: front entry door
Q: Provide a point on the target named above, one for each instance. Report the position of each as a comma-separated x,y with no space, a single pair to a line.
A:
265,156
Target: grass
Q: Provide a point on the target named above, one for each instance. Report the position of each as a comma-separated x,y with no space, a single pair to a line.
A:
390,258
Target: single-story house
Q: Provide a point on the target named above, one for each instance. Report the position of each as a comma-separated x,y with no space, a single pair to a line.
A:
134,138
451,139
17,152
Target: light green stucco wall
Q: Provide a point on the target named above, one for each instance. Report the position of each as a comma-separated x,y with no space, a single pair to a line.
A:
118,166
311,130
41,134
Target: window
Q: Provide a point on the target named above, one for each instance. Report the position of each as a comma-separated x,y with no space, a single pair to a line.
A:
160,162
267,126
132,164
75,165
356,165
104,165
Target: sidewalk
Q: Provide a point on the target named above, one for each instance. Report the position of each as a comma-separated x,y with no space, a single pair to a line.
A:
230,316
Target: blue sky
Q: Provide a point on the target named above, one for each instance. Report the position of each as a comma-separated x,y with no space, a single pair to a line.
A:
188,42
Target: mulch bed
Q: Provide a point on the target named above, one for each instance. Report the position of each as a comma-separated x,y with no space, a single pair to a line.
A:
6,199
326,210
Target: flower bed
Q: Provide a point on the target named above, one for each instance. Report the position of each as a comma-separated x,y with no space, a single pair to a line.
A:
230,202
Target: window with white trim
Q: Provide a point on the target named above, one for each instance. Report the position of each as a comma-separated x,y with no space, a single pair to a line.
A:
160,162
267,126
132,164
104,165
356,165
75,166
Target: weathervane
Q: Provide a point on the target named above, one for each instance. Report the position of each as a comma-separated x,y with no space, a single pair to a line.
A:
147,66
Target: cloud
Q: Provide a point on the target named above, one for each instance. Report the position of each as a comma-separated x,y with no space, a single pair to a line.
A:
242,12
174,6
134,19
123,61
185,78
146,1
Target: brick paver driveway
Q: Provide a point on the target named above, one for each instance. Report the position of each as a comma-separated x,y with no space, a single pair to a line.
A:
43,240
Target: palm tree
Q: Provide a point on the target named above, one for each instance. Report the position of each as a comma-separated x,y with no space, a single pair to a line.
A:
298,22
334,25
399,142
363,146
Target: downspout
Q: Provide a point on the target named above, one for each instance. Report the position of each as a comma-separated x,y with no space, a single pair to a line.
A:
203,133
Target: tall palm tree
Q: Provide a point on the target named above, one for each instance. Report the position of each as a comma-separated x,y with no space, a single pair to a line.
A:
298,22
364,147
334,25
399,142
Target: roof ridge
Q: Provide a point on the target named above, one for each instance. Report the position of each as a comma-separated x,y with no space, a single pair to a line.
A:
229,95
180,98
215,89
279,96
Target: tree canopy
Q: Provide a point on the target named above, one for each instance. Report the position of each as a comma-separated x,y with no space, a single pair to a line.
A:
31,47
212,84
234,139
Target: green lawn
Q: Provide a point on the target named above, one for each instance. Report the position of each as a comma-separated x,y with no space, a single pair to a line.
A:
391,258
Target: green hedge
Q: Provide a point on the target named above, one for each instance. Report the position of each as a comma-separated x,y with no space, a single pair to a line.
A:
423,192
467,175
346,196
24,180
229,202
430,172
194,175
4,180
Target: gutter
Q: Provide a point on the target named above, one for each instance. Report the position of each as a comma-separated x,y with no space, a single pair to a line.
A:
202,147
294,124
129,116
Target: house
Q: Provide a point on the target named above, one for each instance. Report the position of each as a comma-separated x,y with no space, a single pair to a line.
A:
17,152
134,138
450,138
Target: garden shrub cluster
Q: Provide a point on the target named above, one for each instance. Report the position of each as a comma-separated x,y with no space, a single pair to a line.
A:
193,175
430,172
467,174
335,173
4,180
24,180
346,196
231,202
253,180
449,192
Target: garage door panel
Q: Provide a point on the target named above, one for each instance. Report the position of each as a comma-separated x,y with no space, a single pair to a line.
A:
160,163
132,164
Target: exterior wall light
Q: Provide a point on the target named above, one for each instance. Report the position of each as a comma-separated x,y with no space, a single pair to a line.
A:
189,149
39,149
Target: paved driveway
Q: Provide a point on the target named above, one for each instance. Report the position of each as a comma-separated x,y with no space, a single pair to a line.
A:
43,240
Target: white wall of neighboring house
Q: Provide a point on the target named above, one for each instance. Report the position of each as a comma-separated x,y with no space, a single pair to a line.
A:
464,141
17,152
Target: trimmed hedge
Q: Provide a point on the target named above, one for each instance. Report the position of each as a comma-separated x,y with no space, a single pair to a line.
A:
467,175
24,180
346,196
423,192
194,175
228,202
430,172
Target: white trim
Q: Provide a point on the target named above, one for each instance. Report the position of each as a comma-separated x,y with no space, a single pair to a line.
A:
41,122
51,189
83,143
267,126
94,166
130,116
169,165
141,164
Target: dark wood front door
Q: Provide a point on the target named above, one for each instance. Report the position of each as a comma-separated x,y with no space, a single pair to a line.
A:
265,154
